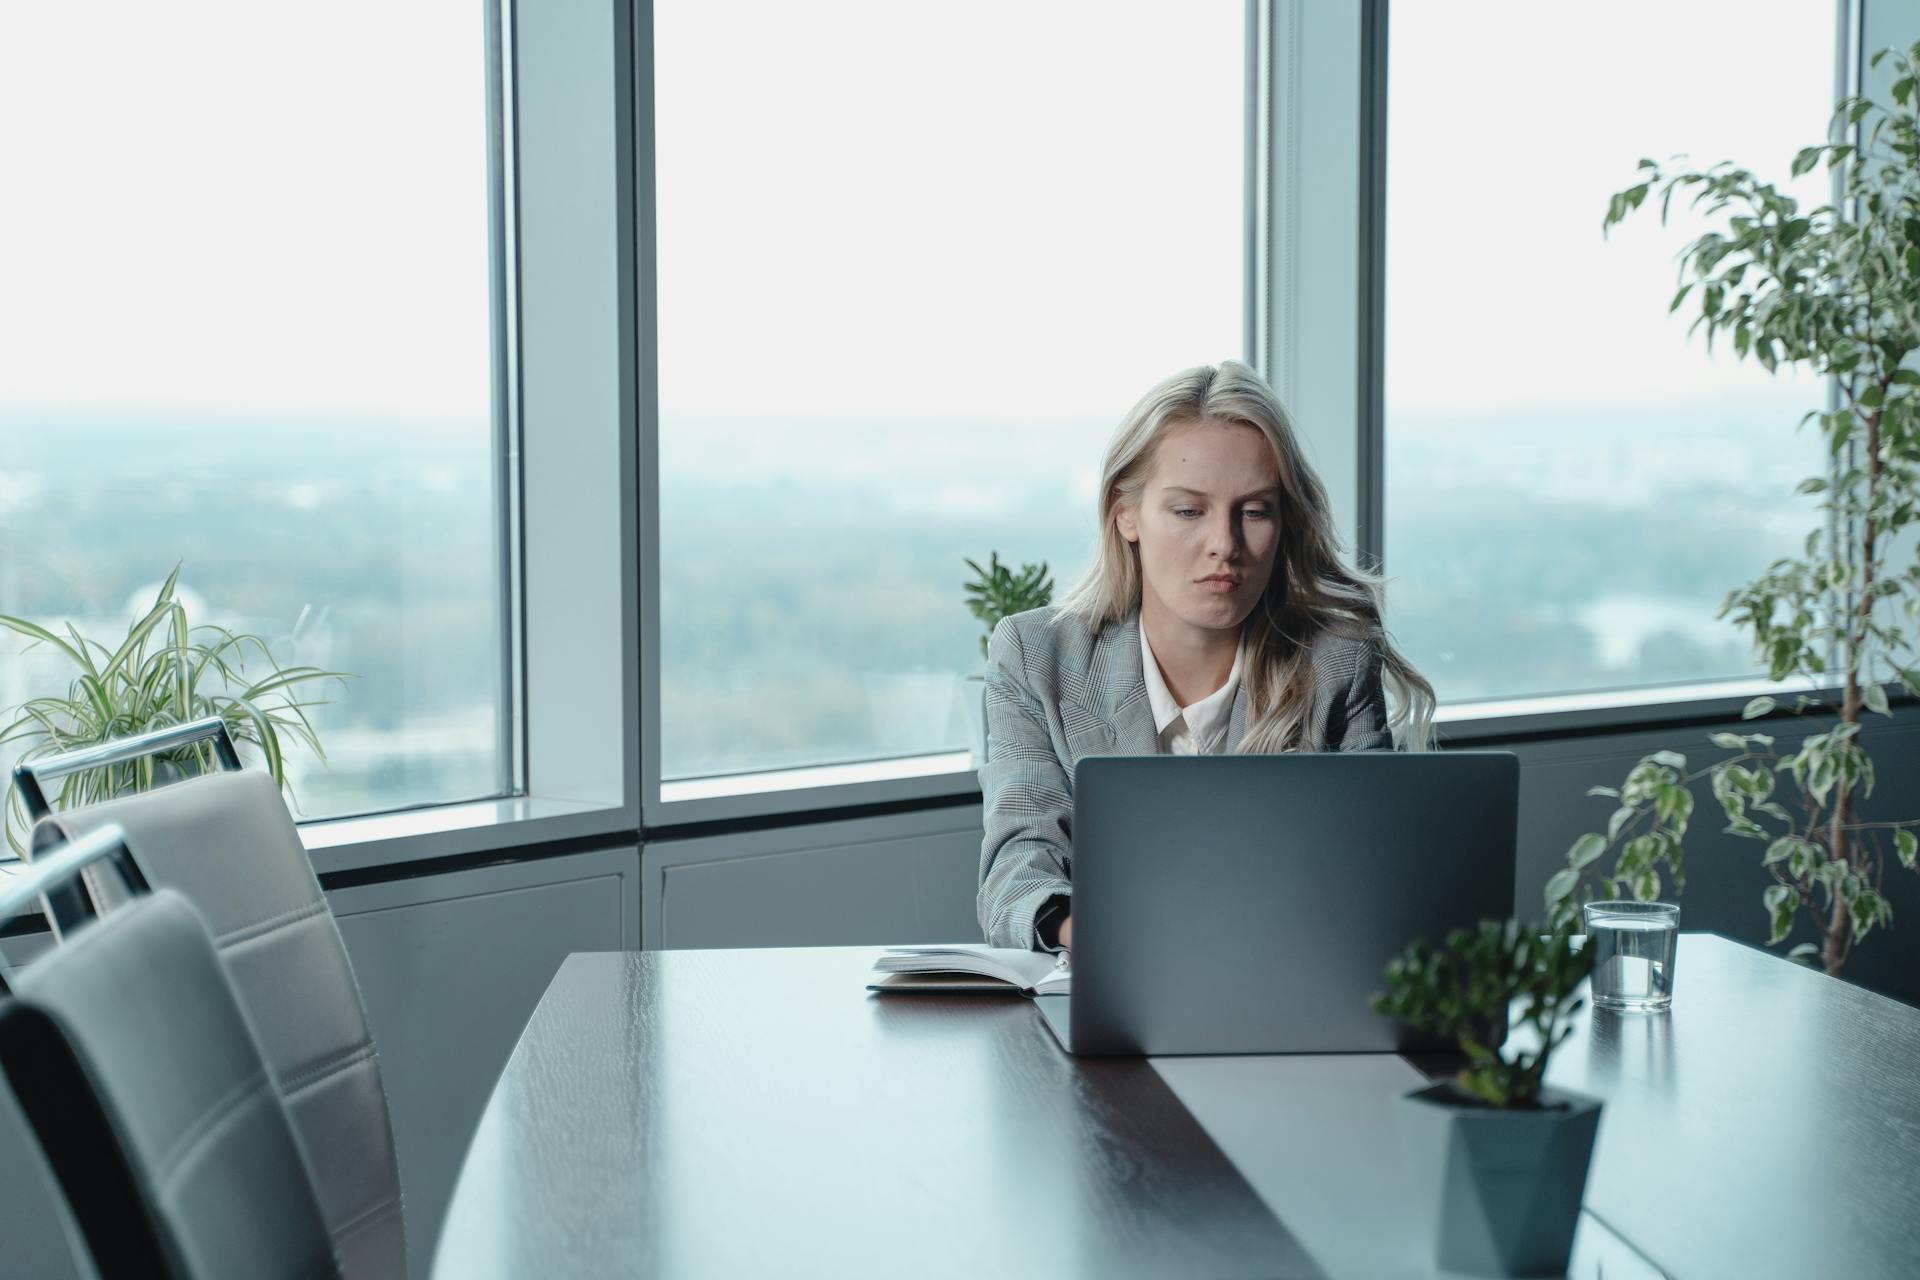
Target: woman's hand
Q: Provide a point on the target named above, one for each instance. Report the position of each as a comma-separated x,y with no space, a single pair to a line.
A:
1066,933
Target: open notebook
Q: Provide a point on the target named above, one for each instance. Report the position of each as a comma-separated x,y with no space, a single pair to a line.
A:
1005,970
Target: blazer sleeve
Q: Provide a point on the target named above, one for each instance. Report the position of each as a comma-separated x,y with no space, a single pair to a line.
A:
1364,706
1026,855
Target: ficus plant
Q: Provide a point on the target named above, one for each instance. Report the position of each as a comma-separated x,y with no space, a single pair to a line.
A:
997,592
165,671
1468,989
1834,290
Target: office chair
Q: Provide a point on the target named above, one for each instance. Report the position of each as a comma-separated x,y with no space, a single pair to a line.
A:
225,840
144,1086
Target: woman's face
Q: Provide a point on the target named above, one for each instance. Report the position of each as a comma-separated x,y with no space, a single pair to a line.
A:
1207,523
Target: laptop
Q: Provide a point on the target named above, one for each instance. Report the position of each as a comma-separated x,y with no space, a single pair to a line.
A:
1250,904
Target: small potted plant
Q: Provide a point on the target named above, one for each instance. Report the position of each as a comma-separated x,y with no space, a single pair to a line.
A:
1498,1158
165,671
995,593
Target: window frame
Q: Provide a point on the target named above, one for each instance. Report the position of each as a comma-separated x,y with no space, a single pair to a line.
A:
1316,79
574,127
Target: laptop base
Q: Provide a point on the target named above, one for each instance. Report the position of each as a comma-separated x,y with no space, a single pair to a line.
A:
1056,1012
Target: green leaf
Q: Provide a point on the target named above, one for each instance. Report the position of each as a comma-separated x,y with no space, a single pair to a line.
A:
1612,793
1805,160
1781,901
1799,859
1758,707
1806,953
1874,696
1620,818
1731,741
1905,843
1560,884
1674,805
1588,847
1671,759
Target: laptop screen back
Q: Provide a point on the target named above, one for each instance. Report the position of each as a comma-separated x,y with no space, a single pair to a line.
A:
1249,904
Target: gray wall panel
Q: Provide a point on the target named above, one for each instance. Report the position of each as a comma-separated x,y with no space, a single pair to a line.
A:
907,877
1724,875
898,878
451,967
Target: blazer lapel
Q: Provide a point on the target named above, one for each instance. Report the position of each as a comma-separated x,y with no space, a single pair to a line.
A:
1237,719
1117,686
1122,688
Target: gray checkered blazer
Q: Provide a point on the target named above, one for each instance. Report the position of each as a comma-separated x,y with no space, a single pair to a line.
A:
1056,692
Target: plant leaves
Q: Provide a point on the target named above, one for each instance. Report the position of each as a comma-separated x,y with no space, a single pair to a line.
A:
1585,850
1874,697
1781,901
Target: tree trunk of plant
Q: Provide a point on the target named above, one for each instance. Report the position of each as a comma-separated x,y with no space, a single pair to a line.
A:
1837,937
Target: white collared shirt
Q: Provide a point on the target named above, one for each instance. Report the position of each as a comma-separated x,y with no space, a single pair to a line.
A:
1200,729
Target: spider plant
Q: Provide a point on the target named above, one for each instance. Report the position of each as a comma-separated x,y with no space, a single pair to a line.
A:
165,672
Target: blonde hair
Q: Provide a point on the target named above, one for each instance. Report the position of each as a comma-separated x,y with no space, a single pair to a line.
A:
1312,589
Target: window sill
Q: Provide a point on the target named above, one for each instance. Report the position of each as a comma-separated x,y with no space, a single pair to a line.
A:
444,831
950,775
939,776
490,826
456,830
1644,707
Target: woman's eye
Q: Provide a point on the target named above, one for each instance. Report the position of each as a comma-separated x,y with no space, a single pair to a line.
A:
1185,511
1258,513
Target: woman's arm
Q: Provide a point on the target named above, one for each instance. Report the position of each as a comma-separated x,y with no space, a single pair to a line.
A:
1026,856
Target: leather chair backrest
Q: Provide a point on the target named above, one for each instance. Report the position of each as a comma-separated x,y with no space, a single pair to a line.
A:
226,841
138,1072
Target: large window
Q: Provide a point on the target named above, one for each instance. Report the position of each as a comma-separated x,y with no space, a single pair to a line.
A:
1572,485
915,262
245,327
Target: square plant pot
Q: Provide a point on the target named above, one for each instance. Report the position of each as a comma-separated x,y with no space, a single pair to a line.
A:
1500,1188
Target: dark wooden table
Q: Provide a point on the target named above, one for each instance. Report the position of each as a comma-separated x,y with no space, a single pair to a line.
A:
757,1113
1769,1125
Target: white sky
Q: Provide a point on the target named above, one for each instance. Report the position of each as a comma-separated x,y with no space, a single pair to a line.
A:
244,205
1014,210
1003,209
1501,293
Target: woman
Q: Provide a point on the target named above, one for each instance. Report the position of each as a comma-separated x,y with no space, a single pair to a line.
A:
1217,616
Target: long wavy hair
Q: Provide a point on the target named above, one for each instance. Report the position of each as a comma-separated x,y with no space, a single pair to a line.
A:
1312,588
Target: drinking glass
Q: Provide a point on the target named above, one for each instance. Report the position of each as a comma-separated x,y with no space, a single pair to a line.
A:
1633,950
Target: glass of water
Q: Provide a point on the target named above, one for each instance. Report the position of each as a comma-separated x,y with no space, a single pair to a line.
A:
1633,950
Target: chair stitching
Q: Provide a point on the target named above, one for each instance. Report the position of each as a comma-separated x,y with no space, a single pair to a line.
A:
306,1078
271,924
191,1138
381,1208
